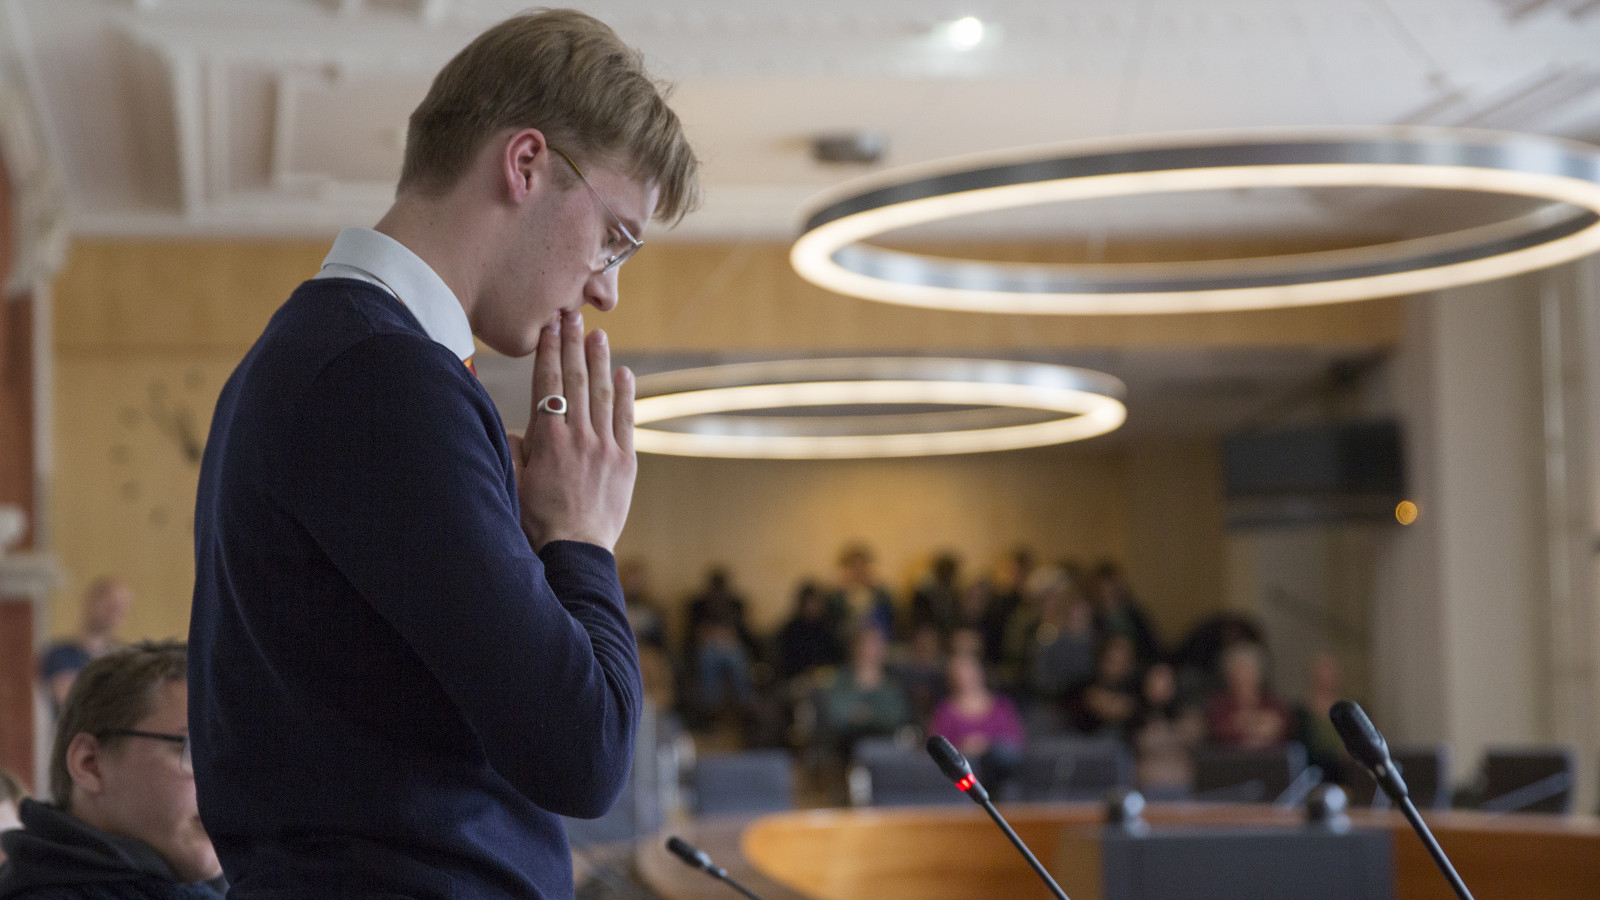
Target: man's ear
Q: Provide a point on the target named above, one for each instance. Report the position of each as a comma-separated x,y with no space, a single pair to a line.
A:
525,163
84,756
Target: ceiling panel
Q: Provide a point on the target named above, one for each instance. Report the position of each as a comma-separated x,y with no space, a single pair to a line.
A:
286,116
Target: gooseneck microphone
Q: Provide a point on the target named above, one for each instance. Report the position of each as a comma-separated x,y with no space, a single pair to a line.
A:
956,768
1367,746
698,859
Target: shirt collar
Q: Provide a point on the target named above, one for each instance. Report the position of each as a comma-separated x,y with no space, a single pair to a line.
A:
376,258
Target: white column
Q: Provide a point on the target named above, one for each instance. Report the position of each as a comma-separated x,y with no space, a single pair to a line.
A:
1486,613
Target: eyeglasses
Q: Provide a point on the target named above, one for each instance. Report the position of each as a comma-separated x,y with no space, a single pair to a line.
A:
634,243
185,759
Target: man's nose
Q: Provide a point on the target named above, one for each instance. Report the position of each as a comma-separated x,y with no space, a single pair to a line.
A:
600,291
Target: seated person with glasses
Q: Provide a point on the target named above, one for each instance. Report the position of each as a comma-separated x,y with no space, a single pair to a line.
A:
124,823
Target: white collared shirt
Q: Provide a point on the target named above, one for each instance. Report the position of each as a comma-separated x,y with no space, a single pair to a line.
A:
377,259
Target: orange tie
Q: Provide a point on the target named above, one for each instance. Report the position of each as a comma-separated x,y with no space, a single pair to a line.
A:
470,367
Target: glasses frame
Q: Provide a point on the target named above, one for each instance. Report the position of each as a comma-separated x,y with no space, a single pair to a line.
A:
186,757
634,243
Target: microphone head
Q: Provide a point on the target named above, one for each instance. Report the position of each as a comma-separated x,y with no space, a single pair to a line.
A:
954,766
683,850
1361,739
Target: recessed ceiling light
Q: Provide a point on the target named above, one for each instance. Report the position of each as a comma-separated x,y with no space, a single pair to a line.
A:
965,33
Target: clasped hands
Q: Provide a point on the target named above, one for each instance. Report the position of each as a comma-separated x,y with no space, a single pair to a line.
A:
575,471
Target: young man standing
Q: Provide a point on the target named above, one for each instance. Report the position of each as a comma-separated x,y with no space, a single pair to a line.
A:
410,653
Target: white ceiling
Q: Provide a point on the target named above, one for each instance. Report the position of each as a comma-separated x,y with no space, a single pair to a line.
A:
287,116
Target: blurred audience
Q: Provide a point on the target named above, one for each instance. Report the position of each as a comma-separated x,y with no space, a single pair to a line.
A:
645,616
105,607
1311,726
860,598
720,644
863,700
938,594
983,725
987,662
1199,657
1165,734
922,671
808,640
124,823
1246,714
1061,645
1117,613
1106,706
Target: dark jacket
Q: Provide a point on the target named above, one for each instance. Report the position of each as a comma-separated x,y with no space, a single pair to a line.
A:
390,693
54,856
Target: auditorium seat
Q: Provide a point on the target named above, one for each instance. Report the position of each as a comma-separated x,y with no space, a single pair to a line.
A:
1072,768
1425,768
751,781
1528,779
1228,775
885,772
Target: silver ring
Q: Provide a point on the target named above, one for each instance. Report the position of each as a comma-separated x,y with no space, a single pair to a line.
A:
555,404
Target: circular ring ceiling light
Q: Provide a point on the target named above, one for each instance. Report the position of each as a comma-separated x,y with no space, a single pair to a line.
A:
832,251
987,405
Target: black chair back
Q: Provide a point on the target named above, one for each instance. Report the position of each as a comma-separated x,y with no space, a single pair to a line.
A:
1072,768
752,781
1228,775
1528,779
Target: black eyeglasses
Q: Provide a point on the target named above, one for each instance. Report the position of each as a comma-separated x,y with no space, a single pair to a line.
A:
185,760
616,259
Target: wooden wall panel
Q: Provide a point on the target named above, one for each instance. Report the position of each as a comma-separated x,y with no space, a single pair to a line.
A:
146,327
727,297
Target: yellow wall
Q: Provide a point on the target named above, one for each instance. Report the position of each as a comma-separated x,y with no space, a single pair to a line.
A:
145,329
775,522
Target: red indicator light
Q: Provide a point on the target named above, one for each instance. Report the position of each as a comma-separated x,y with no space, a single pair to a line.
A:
966,782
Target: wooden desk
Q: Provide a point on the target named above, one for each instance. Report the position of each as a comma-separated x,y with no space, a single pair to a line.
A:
956,853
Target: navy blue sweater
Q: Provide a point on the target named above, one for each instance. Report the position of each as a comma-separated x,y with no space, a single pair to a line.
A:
391,695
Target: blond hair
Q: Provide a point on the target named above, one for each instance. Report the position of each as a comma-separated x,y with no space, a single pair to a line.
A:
113,693
568,75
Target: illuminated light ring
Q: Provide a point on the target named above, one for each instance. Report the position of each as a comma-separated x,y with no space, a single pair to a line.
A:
1088,404
831,250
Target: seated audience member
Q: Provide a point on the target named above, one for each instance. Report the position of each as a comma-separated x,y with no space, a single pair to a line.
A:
1311,726
720,644
937,596
1011,582
922,671
808,640
1061,648
649,627
1199,658
860,599
124,823
864,700
1246,714
979,611
105,606
1116,612
1164,736
1106,706
983,725
11,796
